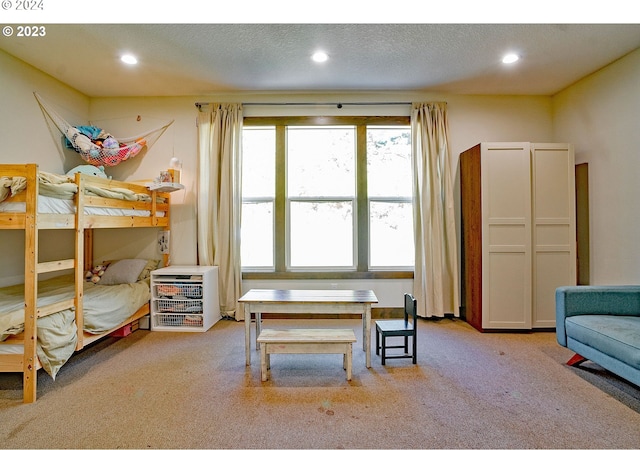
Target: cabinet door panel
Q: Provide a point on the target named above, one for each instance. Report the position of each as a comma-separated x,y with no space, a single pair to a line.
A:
508,292
554,227
506,213
553,269
506,190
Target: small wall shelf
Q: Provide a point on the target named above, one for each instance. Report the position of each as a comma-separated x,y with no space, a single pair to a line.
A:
165,187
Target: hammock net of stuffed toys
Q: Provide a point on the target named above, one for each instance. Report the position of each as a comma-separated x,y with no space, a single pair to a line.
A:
96,146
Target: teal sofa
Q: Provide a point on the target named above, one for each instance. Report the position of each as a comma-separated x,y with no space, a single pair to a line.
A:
601,324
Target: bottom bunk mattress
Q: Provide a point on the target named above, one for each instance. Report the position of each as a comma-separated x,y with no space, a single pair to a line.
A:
105,307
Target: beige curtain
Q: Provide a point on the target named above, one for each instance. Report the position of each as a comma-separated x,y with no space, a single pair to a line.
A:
435,281
219,198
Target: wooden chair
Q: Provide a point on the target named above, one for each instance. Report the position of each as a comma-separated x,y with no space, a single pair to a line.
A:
405,328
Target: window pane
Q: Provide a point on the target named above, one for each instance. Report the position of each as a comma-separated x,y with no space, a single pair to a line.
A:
391,234
321,161
258,162
321,234
256,239
389,161
258,182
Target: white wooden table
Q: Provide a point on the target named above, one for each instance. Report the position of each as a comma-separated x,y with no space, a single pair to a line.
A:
295,301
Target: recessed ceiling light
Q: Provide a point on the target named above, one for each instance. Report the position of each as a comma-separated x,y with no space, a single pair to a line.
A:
129,59
320,57
510,58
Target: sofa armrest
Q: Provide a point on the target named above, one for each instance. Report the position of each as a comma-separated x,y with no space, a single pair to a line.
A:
581,300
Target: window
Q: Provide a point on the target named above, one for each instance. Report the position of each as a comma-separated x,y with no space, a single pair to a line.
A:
321,197
389,186
258,197
327,196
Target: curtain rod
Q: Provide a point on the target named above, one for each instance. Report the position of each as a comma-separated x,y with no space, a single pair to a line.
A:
337,104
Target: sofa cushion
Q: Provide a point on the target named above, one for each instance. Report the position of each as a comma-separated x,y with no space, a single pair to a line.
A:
616,336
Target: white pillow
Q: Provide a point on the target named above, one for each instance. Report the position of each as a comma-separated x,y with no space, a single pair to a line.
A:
123,271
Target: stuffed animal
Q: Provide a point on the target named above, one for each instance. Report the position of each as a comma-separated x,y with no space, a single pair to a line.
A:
96,273
97,171
110,143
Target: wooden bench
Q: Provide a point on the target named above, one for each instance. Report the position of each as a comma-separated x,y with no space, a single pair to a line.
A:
308,340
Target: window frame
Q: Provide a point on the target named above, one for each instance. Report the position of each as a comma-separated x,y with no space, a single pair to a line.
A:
361,212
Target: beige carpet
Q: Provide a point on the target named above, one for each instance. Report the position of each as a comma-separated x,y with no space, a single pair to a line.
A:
193,390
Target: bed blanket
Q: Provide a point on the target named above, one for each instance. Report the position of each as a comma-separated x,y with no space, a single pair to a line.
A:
11,185
117,193
57,186
64,187
50,185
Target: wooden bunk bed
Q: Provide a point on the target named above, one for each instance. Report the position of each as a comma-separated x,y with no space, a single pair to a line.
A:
147,209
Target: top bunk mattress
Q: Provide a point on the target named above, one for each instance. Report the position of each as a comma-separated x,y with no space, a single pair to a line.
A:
57,194
51,205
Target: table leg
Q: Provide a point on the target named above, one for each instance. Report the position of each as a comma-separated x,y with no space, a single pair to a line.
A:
364,329
264,363
349,361
258,327
366,317
247,333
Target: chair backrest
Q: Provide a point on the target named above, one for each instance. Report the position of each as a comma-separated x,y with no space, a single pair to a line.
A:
410,308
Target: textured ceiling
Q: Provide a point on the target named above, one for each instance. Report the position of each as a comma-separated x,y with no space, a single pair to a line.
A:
196,60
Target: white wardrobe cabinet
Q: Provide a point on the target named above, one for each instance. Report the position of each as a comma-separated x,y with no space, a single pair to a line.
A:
518,232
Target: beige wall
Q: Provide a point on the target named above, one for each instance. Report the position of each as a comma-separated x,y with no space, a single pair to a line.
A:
600,115
25,138
472,119
25,135
180,141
